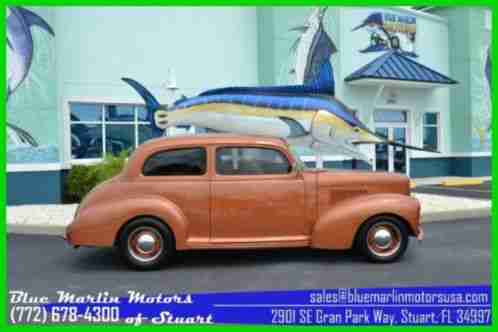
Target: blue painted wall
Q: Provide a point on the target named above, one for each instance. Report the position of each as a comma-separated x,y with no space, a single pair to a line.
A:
35,187
451,166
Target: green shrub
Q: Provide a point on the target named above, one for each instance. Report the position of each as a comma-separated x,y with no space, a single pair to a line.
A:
81,179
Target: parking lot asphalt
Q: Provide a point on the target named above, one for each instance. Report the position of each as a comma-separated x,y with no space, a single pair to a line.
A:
482,191
453,253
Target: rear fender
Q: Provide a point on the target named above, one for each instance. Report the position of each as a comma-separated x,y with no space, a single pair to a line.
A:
337,227
99,224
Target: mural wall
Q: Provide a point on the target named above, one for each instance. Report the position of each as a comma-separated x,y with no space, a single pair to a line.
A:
31,89
481,89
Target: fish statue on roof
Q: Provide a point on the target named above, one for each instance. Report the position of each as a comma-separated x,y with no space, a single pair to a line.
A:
305,114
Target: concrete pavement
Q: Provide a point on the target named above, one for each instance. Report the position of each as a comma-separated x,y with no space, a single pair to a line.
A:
452,253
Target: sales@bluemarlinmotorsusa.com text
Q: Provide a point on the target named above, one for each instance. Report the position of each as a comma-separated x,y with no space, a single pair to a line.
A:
466,305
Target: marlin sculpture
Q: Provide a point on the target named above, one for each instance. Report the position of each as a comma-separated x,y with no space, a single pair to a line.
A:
306,115
20,56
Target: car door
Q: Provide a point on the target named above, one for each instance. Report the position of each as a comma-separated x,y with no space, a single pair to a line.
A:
256,196
181,175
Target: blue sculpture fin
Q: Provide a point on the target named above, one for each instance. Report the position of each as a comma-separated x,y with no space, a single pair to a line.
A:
323,80
33,19
151,102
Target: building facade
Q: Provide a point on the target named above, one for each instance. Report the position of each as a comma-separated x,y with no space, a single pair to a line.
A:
435,94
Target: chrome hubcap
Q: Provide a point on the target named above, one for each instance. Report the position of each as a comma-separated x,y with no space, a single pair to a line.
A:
145,244
384,239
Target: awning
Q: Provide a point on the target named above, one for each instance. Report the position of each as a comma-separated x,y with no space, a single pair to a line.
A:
396,68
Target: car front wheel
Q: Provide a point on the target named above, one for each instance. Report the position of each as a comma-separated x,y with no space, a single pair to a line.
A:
146,244
383,239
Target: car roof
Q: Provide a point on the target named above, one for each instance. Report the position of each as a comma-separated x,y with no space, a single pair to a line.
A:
212,139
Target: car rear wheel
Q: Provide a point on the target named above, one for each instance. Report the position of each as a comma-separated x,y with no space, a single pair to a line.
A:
383,239
146,244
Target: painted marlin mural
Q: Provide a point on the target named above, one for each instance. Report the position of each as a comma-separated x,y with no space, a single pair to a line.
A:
313,48
306,115
487,73
20,55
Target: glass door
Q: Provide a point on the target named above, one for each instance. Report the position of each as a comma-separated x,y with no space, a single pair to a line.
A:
382,151
390,158
399,154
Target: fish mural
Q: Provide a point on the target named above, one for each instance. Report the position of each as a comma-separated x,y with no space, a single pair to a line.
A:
487,67
306,115
313,49
487,74
389,31
20,50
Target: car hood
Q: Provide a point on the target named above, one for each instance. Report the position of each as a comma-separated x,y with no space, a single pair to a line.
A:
365,181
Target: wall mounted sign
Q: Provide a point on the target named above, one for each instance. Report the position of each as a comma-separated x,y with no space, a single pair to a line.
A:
389,31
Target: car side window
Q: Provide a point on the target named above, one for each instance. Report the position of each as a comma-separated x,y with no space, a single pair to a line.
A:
251,161
178,162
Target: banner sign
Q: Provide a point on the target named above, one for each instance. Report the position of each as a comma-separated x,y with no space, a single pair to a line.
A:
344,306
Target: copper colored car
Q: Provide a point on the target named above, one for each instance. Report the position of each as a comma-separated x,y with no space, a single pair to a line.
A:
228,191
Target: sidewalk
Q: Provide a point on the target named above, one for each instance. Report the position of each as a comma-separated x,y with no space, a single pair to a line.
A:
52,219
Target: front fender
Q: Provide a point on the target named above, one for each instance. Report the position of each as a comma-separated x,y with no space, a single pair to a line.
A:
337,227
99,224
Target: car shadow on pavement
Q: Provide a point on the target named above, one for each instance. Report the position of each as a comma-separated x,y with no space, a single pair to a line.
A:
108,258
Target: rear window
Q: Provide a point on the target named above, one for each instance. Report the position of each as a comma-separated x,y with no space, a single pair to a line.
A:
178,162
251,161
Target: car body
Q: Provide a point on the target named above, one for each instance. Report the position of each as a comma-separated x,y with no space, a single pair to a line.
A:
220,191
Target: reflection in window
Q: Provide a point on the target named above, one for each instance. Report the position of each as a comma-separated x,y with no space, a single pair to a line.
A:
431,131
181,162
119,113
99,129
86,140
86,112
120,137
251,161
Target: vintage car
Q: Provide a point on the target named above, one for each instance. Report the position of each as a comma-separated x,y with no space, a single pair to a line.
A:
219,191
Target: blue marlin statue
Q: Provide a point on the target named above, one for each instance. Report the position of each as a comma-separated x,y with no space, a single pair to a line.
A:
305,114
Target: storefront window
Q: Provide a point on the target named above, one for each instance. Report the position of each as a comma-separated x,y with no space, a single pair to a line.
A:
431,131
99,129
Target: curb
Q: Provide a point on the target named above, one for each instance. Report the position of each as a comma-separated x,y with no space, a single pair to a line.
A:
58,230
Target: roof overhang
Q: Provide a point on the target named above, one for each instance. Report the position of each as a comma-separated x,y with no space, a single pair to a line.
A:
397,83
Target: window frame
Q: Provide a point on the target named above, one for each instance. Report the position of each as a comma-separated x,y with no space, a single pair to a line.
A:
136,123
176,148
284,153
437,126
